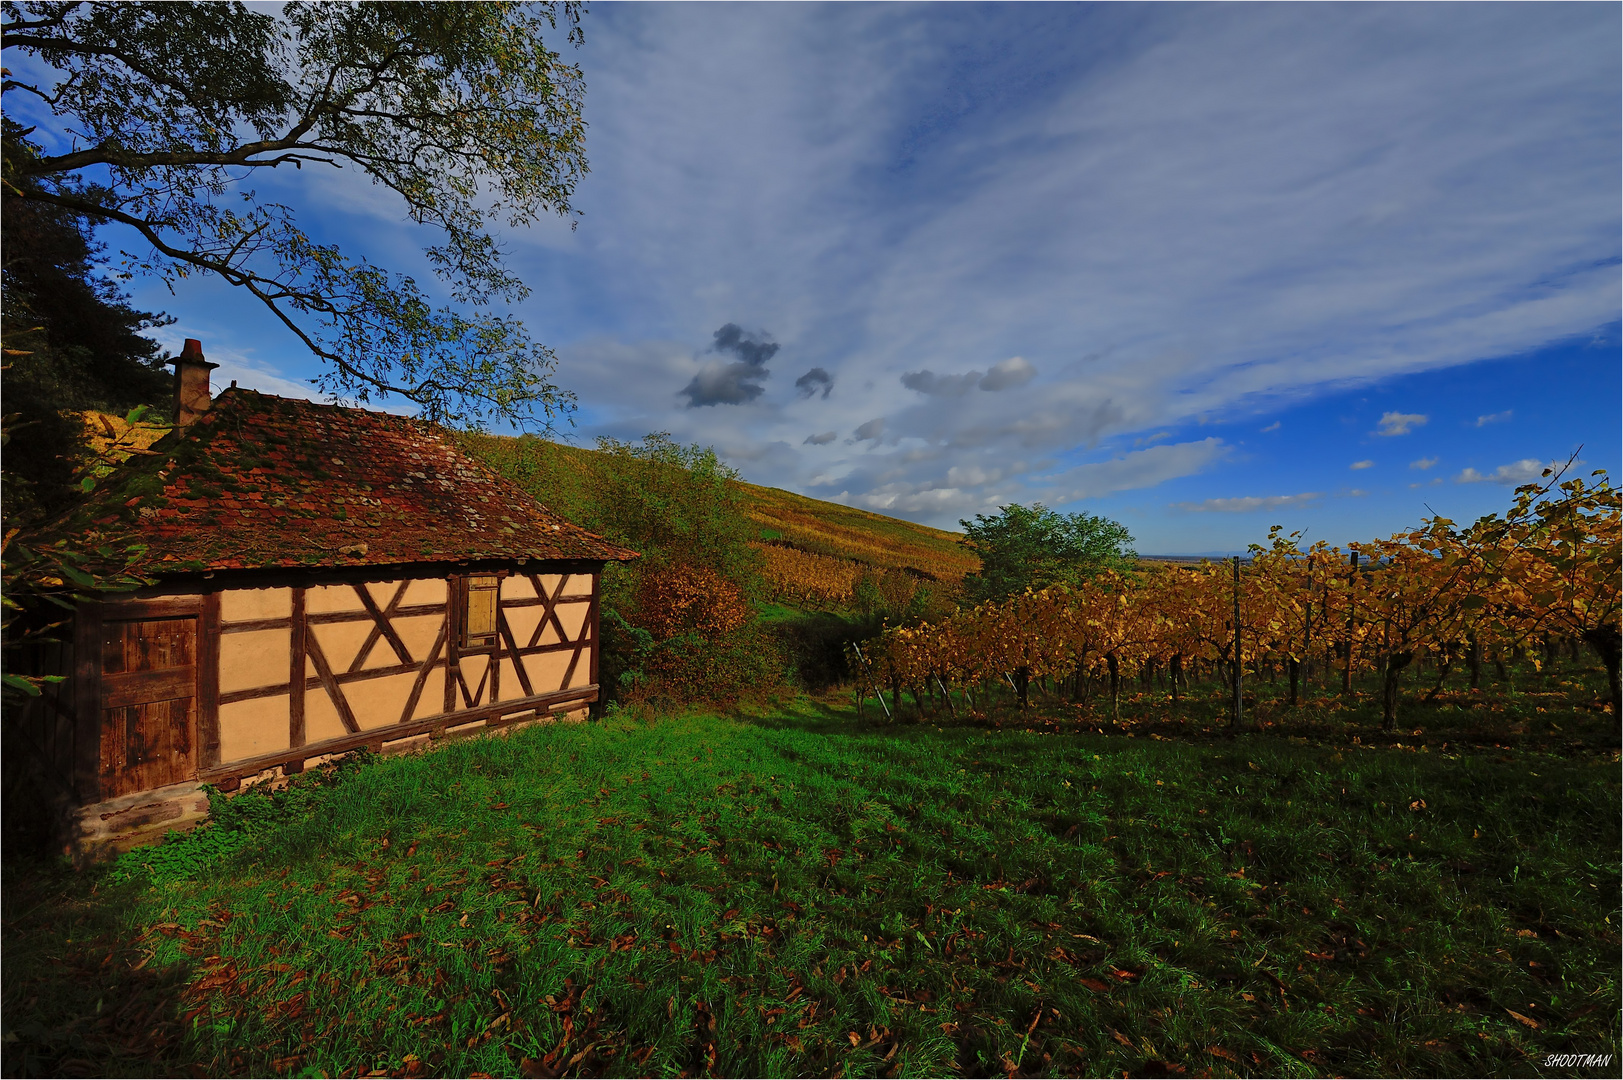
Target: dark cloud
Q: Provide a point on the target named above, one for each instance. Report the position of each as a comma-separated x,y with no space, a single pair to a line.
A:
1015,371
736,383
814,380
928,382
752,349
821,440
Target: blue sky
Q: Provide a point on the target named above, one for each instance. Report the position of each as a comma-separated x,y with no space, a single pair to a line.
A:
1190,267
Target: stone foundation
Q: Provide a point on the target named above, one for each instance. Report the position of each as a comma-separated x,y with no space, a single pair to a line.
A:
105,829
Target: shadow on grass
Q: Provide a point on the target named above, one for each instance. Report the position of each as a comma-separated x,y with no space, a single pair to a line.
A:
80,994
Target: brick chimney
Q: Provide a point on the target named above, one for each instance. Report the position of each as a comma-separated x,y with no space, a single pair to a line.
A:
191,383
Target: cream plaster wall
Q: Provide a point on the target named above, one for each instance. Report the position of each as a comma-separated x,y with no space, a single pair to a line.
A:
573,616
522,622
321,717
241,605
341,641
255,658
473,669
379,702
250,728
425,591
325,598
432,701
418,634
547,671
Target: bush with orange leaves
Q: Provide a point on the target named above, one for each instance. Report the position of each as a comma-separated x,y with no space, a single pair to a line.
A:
678,599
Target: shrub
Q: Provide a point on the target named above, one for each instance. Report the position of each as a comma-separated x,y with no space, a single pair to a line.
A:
679,599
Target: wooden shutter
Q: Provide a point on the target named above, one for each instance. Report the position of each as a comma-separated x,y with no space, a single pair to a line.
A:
479,611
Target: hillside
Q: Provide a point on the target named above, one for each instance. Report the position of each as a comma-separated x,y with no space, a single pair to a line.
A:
826,528
554,471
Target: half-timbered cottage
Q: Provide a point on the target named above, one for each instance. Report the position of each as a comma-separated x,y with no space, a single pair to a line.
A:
327,578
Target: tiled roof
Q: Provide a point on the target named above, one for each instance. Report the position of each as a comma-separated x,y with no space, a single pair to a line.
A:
263,482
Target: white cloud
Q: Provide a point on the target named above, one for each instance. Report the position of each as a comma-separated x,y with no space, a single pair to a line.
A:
1365,464
1396,423
1493,418
1275,426
1524,471
1132,471
894,190
1249,503
1423,463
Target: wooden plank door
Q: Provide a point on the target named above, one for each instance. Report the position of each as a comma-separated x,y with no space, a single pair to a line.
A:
148,703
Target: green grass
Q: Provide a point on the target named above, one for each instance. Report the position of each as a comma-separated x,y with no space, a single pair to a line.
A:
792,891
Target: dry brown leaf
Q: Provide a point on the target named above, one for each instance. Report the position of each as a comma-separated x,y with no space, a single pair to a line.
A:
1520,1019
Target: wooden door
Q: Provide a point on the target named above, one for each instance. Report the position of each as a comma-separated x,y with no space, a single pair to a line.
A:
148,703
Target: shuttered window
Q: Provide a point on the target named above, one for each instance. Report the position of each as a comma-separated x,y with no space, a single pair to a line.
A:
479,610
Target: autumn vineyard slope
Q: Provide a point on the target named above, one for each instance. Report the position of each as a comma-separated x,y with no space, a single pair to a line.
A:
1547,571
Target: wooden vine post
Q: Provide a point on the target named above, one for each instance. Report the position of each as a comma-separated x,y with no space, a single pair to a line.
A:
1237,716
1346,668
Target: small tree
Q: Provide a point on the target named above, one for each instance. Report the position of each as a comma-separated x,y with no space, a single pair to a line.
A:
1034,547
150,117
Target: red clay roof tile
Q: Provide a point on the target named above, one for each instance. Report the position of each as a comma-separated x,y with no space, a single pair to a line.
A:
264,482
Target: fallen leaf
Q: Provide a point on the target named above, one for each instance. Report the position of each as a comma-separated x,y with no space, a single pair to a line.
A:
1520,1019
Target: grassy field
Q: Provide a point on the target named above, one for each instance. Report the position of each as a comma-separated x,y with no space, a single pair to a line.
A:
791,891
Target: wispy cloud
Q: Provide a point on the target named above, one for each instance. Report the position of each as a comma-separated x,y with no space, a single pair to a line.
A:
1493,418
873,429
1275,426
1365,464
1396,423
1423,463
1249,503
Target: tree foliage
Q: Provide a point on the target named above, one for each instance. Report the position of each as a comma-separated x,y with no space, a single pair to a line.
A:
72,342
1034,547
153,117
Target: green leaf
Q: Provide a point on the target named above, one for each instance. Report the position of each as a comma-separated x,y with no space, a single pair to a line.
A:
77,576
134,415
17,682
87,483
